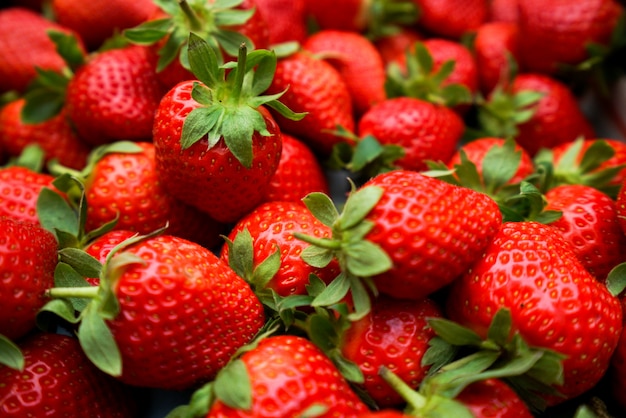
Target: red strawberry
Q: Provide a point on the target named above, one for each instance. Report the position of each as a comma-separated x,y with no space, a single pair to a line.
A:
101,246
503,11
286,18
316,87
425,131
451,18
218,151
348,15
55,136
559,32
28,257
25,40
272,226
19,190
167,286
495,44
493,398
465,72
114,96
590,223
99,20
357,60
539,111
555,303
394,334
299,173
393,45
288,376
58,380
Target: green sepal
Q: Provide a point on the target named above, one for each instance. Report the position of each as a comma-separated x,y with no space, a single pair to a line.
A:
334,293
438,354
84,264
233,387
31,157
98,342
66,276
68,47
55,213
360,203
10,354
366,259
54,309
616,279
317,256
322,207
149,32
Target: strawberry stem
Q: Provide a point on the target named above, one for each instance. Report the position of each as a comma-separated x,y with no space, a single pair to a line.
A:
194,23
241,72
412,397
89,292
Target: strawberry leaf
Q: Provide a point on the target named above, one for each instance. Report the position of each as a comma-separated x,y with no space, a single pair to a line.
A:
616,279
83,263
232,386
322,207
98,342
358,205
149,32
334,292
66,276
10,354
55,214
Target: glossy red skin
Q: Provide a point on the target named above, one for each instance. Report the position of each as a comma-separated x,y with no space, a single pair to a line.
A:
465,71
394,334
299,173
271,226
59,380
357,60
477,149
102,246
396,44
27,27
113,97
503,11
98,20
425,130
558,32
288,375
432,231
28,257
212,180
451,18
314,86
55,136
19,191
287,20
183,314
493,44
557,119
590,223
554,301
349,15
618,158
492,398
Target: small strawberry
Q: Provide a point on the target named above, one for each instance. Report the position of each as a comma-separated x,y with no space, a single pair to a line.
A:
554,302
271,227
55,136
217,146
285,376
99,20
357,60
114,96
560,32
590,223
451,18
299,173
28,257
58,380
24,38
155,288
313,86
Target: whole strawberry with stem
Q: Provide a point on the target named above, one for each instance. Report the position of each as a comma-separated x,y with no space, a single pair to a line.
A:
217,146
59,380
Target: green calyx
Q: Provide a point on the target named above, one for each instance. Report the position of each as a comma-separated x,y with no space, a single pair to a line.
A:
387,17
420,81
210,20
230,101
359,259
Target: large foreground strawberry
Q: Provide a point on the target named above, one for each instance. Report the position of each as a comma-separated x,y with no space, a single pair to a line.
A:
217,146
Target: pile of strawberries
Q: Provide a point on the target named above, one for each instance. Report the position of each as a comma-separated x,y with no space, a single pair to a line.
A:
312,208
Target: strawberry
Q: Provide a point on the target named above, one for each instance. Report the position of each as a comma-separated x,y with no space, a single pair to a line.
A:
99,20
218,151
554,302
100,247
58,380
485,396
357,60
298,174
271,227
425,131
22,27
450,18
55,136
19,189
393,45
288,376
570,29
590,223
28,256
164,286
495,44
394,334
503,11
286,20
224,25
316,87
537,110
114,97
